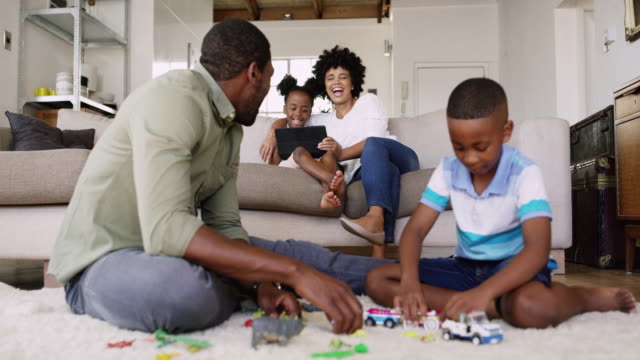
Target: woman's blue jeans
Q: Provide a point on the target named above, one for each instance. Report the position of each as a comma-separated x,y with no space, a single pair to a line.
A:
381,164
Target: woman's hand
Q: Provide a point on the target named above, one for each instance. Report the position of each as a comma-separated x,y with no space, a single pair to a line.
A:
268,147
410,301
273,300
330,144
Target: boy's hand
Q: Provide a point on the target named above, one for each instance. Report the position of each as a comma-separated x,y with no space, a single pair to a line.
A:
466,301
411,301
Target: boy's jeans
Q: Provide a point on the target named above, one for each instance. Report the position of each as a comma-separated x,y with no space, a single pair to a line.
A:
381,164
137,291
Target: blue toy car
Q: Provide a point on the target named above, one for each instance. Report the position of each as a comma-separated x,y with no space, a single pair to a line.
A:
473,326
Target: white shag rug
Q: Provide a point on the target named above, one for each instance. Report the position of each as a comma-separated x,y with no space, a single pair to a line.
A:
38,325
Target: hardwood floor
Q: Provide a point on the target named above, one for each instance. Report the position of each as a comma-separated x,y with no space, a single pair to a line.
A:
26,274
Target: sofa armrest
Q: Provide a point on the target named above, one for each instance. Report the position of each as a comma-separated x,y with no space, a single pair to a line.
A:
6,139
40,177
546,141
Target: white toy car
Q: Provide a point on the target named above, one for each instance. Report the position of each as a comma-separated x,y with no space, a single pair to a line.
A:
474,326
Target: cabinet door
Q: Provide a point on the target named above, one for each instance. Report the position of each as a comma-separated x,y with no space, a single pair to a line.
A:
628,160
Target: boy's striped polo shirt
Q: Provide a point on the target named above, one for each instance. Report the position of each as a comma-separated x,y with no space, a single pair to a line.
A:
489,224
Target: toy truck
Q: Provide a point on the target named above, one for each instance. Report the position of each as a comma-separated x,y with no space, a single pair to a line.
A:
391,318
473,326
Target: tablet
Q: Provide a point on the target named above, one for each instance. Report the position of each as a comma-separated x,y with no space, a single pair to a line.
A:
288,139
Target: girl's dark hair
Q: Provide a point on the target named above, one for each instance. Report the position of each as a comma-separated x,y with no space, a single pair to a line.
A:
339,57
289,84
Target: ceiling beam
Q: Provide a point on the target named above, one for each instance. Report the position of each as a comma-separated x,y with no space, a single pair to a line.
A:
317,8
254,11
300,13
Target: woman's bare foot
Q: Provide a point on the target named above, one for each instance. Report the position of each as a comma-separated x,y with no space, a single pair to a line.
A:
330,200
609,299
337,183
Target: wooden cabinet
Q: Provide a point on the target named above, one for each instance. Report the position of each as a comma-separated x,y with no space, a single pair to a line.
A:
627,127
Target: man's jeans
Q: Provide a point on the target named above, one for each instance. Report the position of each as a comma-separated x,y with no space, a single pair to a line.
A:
381,164
137,291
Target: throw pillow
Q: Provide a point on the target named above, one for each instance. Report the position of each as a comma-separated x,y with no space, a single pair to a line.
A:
78,139
30,133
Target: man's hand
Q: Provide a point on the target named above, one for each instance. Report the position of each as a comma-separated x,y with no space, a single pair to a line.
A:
332,296
466,301
273,300
268,147
410,302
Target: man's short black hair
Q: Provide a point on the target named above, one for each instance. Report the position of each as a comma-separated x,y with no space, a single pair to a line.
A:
231,46
344,58
475,98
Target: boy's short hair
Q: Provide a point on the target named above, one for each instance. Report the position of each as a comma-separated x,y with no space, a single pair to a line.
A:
475,98
231,46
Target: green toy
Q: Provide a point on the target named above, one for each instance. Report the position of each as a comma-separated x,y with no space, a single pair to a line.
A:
358,349
160,335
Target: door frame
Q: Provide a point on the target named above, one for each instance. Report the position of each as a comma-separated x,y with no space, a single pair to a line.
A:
434,65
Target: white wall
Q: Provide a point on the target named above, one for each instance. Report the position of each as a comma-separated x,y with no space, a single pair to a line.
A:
440,34
9,59
365,37
527,57
621,64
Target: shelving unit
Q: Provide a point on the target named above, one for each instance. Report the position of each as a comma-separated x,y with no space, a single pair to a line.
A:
81,31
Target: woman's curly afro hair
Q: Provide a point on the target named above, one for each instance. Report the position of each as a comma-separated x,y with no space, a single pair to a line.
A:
289,84
344,58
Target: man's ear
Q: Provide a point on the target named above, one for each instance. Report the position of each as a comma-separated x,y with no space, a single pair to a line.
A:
508,131
253,73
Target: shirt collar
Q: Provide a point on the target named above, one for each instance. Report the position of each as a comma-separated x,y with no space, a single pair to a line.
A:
500,182
221,104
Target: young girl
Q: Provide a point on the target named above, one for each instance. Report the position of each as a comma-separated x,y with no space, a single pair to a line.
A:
298,104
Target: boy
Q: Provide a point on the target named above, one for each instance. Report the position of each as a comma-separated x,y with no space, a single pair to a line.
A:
501,263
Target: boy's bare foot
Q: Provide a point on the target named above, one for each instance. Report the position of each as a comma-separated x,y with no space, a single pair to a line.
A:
609,299
330,200
337,184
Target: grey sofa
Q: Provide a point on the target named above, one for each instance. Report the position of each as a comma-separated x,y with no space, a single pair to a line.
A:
276,203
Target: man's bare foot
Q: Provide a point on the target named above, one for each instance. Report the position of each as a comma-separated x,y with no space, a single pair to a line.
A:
330,200
337,184
609,299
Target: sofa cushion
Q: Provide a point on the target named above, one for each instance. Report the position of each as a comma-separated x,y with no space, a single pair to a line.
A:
77,120
412,186
268,187
40,177
31,134
78,139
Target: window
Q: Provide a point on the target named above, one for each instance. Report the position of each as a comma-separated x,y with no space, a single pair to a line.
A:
299,68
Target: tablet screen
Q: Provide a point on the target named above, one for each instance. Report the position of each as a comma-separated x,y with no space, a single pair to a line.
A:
288,139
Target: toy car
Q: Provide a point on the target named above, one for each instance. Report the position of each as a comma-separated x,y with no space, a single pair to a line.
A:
388,318
430,322
474,326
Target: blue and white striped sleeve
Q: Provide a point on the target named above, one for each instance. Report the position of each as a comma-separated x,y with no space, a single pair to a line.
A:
532,197
436,195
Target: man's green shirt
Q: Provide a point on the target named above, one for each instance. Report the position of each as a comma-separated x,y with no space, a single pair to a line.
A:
172,148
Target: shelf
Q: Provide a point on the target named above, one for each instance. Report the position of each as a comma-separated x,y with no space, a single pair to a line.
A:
66,101
60,22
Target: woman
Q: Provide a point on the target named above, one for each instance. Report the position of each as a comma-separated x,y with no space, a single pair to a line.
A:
365,149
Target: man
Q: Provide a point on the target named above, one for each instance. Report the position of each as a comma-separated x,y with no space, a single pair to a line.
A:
132,250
